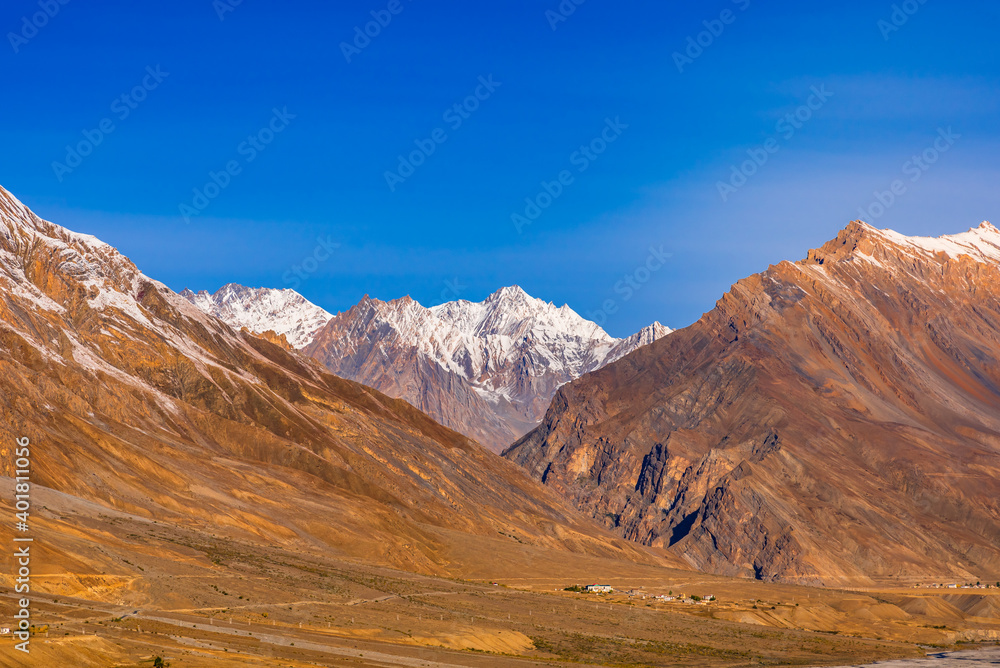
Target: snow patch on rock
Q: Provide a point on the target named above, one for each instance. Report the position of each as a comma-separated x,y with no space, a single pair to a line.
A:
263,309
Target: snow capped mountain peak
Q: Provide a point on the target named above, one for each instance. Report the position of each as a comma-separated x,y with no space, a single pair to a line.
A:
651,333
513,312
263,309
981,243
510,294
511,350
202,299
860,242
476,339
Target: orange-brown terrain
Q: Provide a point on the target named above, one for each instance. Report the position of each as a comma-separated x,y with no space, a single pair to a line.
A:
135,399
215,499
833,420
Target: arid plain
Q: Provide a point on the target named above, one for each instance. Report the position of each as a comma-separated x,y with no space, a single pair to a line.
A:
201,597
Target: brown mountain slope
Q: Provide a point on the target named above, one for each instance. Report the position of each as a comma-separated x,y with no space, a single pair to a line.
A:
136,400
832,419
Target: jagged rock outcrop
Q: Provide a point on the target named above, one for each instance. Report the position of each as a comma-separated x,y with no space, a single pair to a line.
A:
280,340
830,420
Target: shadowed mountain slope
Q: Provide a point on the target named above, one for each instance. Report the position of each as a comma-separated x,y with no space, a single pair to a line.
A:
832,419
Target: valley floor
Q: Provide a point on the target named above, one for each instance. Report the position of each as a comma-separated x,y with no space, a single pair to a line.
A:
114,589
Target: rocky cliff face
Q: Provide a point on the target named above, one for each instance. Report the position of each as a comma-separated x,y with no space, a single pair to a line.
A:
831,420
487,370
136,400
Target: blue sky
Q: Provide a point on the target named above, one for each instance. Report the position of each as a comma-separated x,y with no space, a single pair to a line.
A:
864,98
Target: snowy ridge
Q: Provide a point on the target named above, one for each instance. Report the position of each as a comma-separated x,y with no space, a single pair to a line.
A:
643,337
113,281
494,343
110,278
980,243
74,266
263,309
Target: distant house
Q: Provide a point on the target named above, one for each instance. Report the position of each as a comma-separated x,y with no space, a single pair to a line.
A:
599,589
